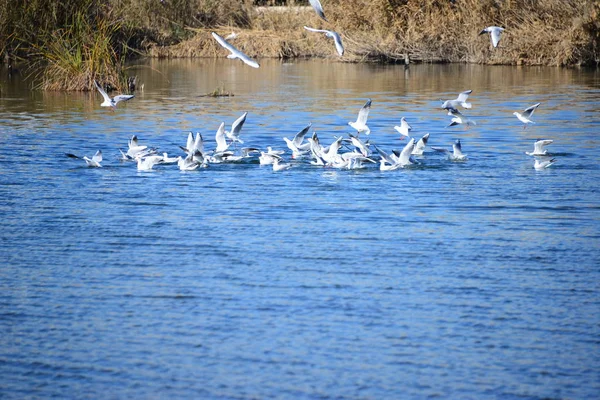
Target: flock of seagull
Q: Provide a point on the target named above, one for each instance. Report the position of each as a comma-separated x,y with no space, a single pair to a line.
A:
352,152
358,151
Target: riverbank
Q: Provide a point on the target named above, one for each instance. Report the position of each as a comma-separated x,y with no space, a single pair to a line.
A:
69,44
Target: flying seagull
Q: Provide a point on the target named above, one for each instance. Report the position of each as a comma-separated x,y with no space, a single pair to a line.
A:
461,100
403,129
108,102
330,34
93,162
235,53
316,4
539,147
525,117
361,121
494,32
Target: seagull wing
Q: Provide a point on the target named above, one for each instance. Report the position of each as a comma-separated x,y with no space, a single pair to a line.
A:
97,157
540,144
462,97
338,42
247,60
235,53
439,149
102,92
529,111
315,30
385,155
123,97
316,4
236,127
363,114
495,35
220,138
189,145
300,135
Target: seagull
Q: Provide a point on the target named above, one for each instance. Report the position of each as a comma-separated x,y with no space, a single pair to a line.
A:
543,164
461,100
108,102
360,145
235,53
494,32
404,157
420,146
538,147
236,127
331,34
267,158
279,166
524,118
169,160
316,4
147,163
456,155
194,144
188,163
403,129
459,118
361,121
135,149
93,162
296,146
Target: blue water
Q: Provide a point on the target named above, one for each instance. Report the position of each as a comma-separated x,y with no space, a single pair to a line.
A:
454,280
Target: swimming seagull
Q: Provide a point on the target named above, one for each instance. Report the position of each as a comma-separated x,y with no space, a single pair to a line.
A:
147,163
330,34
236,127
108,102
361,121
235,53
461,100
403,129
543,164
494,32
316,4
456,155
459,118
279,166
538,147
93,162
524,118
296,146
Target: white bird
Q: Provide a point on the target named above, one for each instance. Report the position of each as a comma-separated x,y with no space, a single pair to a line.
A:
494,32
456,155
316,4
459,118
93,162
361,121
539,147
280,166
360,145
296,145
220,139
147,163
169,160
404,158
461,100
188,163
235,53
403,129
108,102
543,164
420,146
525,117
236,127
330,34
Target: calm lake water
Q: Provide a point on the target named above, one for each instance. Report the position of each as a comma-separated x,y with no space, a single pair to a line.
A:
471,280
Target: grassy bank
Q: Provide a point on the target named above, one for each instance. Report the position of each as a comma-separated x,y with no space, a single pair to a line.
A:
69,44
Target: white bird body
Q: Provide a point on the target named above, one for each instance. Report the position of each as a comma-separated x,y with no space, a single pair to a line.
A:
108,102
461,100
458,118
235,53
330,34
267,158
525,117
543,164
495,32
280,166
404,128
361,121
93,162
539,147
316,5
420,146
405,155
456,155
188,163
148,163
169,160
